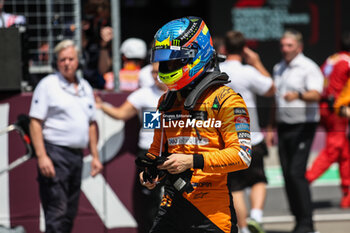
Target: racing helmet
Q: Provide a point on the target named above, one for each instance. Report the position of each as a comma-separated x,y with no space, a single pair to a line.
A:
184,48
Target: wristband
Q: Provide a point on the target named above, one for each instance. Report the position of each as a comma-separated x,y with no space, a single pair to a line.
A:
198,161
300,95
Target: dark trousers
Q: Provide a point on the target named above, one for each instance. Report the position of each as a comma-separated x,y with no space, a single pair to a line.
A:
254,174
294,144
145,202
60,195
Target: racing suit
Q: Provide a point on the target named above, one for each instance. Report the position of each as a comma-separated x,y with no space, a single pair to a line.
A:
336,70
218,148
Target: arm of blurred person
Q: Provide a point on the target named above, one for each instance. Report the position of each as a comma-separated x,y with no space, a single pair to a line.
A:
105,60
271,92
270,128
313,86
124,112
252,58
307,96
270,136
44,162
96,165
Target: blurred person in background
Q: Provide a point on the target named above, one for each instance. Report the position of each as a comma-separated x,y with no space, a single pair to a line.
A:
336,70
91,52
96,41
133,52
42,58
145,79
99,11
7,20
299,84
143,73
145,201
248,80
219,44
63,124
105,59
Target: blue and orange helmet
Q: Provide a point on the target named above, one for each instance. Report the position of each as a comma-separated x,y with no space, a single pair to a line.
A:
188,44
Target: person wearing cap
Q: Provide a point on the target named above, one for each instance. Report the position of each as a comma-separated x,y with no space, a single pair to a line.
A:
134,52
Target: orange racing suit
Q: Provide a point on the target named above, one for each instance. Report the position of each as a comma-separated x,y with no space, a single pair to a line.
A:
221,145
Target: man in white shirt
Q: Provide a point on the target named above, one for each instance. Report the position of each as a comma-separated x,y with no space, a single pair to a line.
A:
299,84
146,201
62,124
248,80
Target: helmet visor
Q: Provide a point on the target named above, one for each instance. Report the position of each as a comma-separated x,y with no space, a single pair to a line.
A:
171,54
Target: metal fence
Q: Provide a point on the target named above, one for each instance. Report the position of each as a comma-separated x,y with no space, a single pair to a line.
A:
47,22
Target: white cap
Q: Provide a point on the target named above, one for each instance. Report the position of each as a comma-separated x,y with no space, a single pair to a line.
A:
134,48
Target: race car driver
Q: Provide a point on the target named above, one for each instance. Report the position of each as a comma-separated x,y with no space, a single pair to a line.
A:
203,133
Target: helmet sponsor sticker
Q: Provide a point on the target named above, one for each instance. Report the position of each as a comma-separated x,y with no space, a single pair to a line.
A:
175,47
